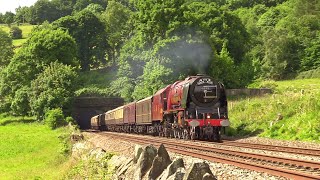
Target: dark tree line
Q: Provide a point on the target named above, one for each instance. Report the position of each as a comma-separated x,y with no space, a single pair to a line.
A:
45,10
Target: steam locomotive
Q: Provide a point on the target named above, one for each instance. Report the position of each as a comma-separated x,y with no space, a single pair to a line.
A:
195,108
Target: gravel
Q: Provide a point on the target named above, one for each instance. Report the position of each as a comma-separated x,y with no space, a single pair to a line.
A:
220,170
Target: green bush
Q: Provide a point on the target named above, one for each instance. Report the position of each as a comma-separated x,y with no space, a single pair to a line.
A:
314,73
20,103
69,119
15,32
54,118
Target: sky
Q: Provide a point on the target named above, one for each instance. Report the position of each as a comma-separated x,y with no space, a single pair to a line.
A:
11,5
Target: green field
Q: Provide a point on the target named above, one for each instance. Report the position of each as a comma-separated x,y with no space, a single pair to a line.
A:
31,150
292,112
26,30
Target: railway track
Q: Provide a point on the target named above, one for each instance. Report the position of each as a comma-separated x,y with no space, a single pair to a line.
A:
286,167
294,150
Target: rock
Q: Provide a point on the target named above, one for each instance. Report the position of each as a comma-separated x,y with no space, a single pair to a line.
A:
178,175
97,153
75,137
197,171
208,176
116,161
145,161
123,168
172,168
80,150
160,163
137,152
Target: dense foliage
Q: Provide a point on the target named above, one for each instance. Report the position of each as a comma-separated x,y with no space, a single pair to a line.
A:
54,118
6,51
53,88
15,32
132,48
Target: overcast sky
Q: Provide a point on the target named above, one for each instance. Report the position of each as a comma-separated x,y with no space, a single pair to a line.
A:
11,5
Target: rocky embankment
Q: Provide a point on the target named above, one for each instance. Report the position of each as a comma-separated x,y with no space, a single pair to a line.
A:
147,162
110,157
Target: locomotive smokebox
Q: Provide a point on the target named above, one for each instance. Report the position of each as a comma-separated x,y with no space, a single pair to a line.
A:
204,91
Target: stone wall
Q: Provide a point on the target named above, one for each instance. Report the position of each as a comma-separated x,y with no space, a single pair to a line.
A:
86,107
248,92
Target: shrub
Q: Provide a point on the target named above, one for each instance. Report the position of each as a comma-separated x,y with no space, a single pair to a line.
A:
69,119
20,103
54,118
314,73
15,32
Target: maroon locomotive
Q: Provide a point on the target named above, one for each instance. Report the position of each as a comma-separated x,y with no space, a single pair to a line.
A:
195,108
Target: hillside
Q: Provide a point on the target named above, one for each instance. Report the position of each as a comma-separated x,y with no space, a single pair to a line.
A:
31,150
291,112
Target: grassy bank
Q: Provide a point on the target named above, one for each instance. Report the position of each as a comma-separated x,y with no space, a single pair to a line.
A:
31,150
292,112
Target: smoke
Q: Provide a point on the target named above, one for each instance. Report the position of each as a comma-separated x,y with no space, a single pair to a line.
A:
188,55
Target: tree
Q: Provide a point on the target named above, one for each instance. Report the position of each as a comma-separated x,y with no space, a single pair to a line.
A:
22,14
20,103
156,19
43,47
82,4
43,10
89,33
95,8
64,7
6,49
53,88
311,59
281,59
118,27
155,76
8,18
1,18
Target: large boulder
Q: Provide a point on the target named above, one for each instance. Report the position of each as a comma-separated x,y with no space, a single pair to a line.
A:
172,168
75,137
178,175
160,163
116,161
208,176
97,153
124,167
145,161
137,152
197,171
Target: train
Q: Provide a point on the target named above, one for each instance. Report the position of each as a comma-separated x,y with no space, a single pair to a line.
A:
193,108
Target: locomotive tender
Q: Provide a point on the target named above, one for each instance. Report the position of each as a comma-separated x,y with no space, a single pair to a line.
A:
195,108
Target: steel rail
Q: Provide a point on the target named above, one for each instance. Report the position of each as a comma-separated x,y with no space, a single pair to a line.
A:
286,149
189,150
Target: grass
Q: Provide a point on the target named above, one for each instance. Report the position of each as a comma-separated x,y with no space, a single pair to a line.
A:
291,112
31,150
26,30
